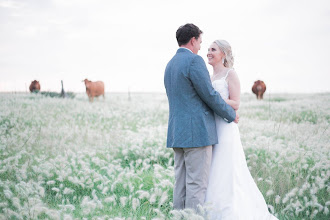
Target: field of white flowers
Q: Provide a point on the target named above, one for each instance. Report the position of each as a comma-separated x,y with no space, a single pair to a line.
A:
71,159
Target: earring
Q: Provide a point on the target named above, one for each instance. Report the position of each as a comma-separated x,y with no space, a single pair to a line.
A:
223,60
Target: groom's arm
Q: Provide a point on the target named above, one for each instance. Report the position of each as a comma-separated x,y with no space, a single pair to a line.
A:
201,81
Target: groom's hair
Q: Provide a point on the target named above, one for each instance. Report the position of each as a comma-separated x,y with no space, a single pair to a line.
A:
186,32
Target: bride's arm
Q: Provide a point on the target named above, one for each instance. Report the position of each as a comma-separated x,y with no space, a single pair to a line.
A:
234,88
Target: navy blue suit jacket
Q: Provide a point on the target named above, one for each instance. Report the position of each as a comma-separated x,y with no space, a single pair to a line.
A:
192,102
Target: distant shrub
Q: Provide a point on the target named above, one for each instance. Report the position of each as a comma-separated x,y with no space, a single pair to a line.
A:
277,99
305,116
58,95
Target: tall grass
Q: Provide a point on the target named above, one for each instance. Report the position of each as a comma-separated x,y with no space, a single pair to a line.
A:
71,159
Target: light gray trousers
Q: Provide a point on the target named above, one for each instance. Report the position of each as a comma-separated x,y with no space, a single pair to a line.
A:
192,167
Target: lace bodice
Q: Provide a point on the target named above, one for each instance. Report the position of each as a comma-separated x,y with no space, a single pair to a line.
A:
221,86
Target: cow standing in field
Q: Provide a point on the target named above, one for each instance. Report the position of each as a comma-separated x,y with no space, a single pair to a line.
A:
259,89
94,89
34,86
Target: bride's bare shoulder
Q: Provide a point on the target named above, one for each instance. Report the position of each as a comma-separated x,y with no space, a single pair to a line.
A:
232,72
232,76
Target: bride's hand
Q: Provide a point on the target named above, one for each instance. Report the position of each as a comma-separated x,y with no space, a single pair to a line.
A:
237,117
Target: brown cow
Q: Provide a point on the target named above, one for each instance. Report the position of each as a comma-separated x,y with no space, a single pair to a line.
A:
259,89
94,89
34,86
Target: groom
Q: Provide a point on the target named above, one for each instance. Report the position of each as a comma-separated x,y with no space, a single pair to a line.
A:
191,126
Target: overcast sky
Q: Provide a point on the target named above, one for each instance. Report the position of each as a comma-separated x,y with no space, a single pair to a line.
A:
128,43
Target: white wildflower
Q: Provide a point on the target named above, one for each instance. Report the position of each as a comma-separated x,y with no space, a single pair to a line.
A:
166,183
316,204
97,179
170,162
152,199
124,152
55,189
89,183
159,213
131,188
105,190
269,192
8,193
113,186
314,213
163,198
271,208
3,204
293,192
313,191
110,199
41,191
286,198
68,191
298,210
158,175
67,217
16,203
277,199
68,207
135,203
176,214
53,214
123,201
269,182
9,212
143,194
88,205
94,195
138,162
305,199
100,186
51,182
201,210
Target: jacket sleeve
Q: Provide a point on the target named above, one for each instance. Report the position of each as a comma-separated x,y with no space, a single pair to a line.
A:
201,81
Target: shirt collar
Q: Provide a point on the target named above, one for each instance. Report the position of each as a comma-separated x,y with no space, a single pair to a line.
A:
186,48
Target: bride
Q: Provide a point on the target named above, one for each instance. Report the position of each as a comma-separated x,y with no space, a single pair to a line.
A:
231,193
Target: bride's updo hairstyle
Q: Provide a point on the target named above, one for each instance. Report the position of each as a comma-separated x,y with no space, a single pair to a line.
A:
226,49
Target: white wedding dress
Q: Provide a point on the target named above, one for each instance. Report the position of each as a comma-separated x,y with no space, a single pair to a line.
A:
232,193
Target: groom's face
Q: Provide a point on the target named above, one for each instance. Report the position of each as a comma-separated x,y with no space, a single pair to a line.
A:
196,44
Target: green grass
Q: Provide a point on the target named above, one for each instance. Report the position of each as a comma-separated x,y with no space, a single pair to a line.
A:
97,154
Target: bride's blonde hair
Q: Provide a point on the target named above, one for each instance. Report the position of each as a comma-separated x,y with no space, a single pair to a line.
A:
226,49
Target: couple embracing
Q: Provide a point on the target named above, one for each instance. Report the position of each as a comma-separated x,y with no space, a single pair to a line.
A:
210,165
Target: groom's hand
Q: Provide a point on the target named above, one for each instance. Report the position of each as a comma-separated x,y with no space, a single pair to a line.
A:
237,117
